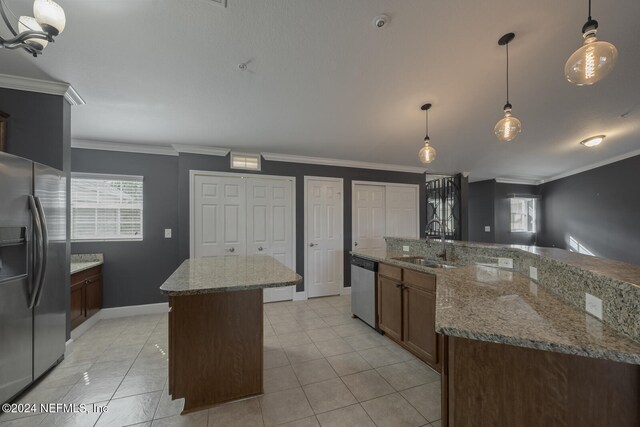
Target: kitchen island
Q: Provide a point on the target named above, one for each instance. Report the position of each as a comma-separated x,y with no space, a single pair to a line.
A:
216,326
519,351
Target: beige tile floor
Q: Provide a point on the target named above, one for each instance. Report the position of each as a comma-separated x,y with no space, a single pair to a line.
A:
322,368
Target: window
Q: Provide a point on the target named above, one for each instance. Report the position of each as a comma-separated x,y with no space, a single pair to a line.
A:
106,207
245,161
523,215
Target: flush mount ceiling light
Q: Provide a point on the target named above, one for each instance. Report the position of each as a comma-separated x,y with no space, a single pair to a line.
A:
593,141
594,60
508,127
34,33
427,154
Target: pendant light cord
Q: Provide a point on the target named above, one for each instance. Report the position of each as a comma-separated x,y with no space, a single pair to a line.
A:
507,45
426,123
589,10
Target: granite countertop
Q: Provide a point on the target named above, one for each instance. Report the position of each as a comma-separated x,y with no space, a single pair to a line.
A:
486,303
228,273
81,262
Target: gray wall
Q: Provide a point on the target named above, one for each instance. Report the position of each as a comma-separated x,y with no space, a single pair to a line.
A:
189,162
133,271
489,204
36,128
481,211
600,208
39,129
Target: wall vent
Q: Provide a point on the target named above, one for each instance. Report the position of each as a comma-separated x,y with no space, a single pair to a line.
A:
245,161
222,3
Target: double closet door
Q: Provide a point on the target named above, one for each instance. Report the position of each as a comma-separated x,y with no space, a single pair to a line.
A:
380,210
236,215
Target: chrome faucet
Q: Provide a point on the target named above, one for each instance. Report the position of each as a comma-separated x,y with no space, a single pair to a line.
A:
443,253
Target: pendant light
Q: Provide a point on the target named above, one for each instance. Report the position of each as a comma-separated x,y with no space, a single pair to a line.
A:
508,127
594,60
427,154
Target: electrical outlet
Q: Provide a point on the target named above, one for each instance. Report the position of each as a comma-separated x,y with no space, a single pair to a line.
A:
593,305
406,248
505,263
487,228
533,273
167,233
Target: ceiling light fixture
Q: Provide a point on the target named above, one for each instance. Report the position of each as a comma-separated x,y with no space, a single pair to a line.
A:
508,127
593,141
594,60
34,33
427,154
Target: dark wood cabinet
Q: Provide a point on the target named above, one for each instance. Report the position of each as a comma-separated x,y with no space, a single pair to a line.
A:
407,311
419,320
390,307
86,295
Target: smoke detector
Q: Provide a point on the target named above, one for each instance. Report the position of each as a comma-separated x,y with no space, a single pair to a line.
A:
380,21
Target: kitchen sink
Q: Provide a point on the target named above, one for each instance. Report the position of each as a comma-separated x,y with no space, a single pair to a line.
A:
425,262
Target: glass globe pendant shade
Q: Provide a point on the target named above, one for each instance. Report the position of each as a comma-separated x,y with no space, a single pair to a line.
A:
592,62
50,16
427,154
28,23
508,128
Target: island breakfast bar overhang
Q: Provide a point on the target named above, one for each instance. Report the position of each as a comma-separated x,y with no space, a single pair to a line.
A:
216,326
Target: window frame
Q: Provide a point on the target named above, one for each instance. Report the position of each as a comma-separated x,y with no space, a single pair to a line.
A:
533,221
107,177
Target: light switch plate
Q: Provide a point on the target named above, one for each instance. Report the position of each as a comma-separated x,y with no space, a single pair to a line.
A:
167,233
533,273
505,262
487,228
406,248
593,305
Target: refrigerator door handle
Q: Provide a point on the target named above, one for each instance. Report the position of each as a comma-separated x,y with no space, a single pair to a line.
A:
37,267
45,248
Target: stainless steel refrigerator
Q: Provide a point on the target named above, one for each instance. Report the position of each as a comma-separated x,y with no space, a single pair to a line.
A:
33,270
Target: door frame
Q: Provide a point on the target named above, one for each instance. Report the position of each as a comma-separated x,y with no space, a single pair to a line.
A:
308,178
386,185
192,177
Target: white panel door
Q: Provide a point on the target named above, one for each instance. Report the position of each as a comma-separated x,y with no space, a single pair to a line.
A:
369,217
270,226
323,231
219,215
402,211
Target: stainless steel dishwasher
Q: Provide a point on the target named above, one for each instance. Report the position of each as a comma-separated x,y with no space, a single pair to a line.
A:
363,290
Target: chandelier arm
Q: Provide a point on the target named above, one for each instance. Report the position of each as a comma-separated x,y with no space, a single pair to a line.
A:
6,19
28,35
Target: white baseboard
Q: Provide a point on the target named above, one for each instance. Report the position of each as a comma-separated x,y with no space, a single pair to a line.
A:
84,327
68,347
300,296
345,291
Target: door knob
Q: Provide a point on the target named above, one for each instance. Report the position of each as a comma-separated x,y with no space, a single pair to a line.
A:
311,245
355,244
260,248
232,250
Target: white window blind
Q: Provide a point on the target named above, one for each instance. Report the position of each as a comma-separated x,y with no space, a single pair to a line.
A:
106,207
523,215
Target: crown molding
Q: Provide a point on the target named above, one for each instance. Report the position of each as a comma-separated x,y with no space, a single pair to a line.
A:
522,181
48,87
593,165
163,150
200,149
274,157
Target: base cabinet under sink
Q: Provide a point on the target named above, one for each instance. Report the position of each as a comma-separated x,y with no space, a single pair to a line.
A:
406,311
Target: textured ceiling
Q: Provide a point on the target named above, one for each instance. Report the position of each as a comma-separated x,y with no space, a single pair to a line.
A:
322,81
